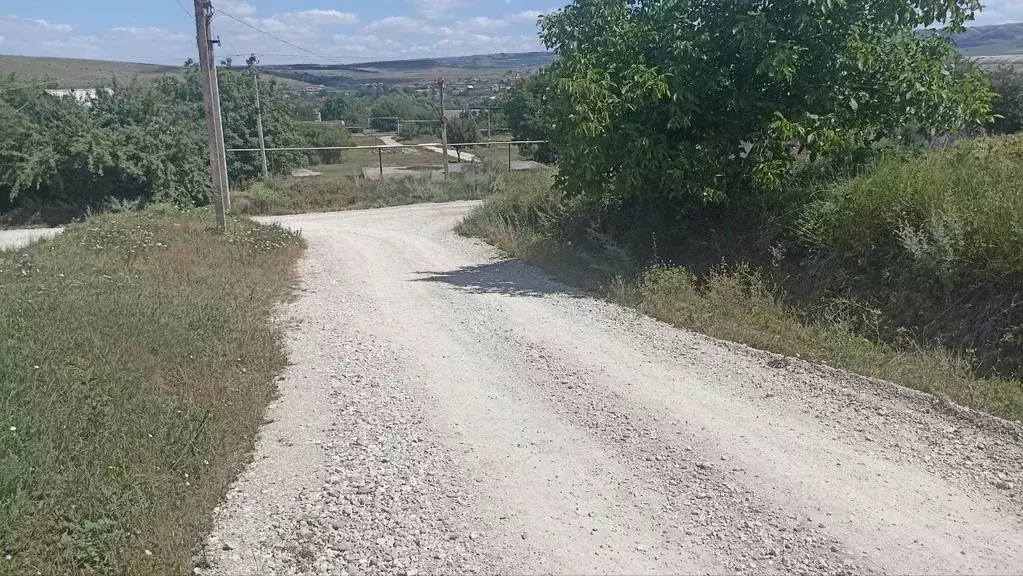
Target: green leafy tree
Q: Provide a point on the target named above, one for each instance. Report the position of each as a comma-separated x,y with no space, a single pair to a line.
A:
347,107
137,142
325,136
239,113
526,108
387,110
702,100
463,131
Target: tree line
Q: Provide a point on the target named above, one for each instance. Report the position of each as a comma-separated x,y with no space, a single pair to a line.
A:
136,141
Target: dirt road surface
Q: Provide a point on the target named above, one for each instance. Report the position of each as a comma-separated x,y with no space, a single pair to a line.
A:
14,239
452,152
452,412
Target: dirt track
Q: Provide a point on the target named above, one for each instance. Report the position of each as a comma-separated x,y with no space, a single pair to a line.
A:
448,411
14,239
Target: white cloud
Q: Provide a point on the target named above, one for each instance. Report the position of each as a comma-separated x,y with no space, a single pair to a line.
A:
480,23
318,17
50,26
150,34
437,9
1000,12
24,24
399,25
525,17
236,8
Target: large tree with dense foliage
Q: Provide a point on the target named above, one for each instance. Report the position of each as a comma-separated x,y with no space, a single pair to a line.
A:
699,100
347,107
526,108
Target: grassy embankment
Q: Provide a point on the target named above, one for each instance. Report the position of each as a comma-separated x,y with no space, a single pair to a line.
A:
910,272
137,356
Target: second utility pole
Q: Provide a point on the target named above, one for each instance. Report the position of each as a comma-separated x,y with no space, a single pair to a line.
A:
259,124
443,128
211,106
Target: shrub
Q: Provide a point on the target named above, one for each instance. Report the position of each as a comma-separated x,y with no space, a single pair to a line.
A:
1008,106
137,142
323,136
935,238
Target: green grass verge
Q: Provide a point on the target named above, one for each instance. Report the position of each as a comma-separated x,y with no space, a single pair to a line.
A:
332,193
137,356
732,303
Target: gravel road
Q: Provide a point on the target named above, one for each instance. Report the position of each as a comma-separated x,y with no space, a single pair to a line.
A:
452,412
14,239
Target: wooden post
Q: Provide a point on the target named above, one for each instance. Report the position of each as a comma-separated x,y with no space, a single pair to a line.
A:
211,106
443,129
509,157
380,155
259,126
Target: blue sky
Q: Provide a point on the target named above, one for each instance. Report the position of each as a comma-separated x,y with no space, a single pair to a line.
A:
160,31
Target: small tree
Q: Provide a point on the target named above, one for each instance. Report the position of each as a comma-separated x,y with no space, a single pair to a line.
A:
463,131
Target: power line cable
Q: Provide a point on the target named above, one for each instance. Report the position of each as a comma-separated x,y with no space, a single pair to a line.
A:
190,15
278,38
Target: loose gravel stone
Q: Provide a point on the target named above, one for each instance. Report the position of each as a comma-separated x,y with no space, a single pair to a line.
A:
449,412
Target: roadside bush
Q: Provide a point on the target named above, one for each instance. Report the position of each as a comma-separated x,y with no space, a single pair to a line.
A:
934,239
323,136
136,143
1008,106
143,141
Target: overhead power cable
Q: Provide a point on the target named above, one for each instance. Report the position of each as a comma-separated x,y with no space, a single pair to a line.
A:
278,38
186,10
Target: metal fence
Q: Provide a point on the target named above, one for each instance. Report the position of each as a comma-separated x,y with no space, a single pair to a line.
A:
432,146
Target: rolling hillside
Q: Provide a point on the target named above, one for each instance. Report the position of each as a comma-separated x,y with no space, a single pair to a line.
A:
94,73
1004,40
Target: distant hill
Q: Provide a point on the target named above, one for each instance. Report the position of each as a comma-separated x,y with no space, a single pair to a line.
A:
1001,40
1005,40
82,73
418,71
96,73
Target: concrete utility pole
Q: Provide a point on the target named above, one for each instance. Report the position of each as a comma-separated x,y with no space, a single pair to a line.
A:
211,105
259,124
443,128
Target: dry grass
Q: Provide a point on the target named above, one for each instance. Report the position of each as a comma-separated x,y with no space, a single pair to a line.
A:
137,356
332,192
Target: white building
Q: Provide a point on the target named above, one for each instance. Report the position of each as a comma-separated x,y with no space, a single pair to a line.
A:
84,96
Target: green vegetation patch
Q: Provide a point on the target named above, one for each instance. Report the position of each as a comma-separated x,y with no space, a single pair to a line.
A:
137,356
331,192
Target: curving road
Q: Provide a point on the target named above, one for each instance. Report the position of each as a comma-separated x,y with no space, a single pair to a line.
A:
14,239
452,412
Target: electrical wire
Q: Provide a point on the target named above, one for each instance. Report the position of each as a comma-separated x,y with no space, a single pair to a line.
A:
278,38
190,15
